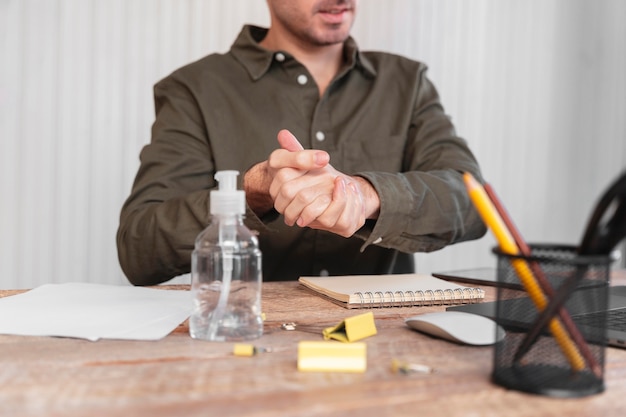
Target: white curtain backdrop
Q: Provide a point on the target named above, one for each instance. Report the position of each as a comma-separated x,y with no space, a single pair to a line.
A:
536,87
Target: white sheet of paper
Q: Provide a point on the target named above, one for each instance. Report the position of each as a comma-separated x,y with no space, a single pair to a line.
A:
94,311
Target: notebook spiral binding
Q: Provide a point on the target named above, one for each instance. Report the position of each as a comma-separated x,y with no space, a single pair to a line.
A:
418,298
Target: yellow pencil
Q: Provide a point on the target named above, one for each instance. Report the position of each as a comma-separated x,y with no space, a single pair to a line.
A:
507,244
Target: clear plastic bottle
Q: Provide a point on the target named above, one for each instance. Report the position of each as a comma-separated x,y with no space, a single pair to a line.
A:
226,272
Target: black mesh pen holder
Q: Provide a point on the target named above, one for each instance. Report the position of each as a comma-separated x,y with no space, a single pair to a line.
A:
552,305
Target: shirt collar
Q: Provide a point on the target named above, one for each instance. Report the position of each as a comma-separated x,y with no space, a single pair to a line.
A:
355,58
258,60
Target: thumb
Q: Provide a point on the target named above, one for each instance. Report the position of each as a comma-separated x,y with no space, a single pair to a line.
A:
288,141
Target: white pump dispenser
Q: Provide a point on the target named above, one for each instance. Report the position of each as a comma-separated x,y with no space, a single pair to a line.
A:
226,270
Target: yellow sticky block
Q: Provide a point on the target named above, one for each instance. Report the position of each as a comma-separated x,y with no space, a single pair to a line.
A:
332,357
241,349
352,329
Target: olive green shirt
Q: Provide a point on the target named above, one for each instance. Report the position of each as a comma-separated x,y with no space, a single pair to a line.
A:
380,118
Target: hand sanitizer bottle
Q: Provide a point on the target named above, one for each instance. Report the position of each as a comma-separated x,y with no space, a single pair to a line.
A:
226,270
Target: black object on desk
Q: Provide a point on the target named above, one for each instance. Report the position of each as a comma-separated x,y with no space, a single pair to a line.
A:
607,225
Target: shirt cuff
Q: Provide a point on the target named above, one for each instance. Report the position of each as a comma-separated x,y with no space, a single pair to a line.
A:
396,202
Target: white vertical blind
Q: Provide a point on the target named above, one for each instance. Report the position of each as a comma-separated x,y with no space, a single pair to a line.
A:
537,88
543,108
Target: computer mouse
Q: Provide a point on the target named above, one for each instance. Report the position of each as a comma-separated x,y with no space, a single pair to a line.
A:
458,327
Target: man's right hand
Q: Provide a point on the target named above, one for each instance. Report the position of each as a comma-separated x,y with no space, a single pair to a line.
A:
308,191
291,161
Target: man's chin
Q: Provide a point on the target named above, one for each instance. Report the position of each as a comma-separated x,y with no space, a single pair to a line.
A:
331,37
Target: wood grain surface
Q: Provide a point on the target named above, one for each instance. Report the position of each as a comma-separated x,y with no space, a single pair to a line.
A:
179,376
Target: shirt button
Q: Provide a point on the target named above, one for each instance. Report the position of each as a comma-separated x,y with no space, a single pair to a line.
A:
377,241
302,79
320,136
280,57
324,273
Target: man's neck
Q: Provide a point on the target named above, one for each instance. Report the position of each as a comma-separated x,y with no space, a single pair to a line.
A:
322,62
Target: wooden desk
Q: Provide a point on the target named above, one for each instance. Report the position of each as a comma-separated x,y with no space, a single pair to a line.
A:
179,376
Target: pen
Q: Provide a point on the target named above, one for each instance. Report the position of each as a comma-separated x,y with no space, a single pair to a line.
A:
555,303
507,244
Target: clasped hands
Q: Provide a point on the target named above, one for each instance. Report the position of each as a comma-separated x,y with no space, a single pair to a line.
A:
303,186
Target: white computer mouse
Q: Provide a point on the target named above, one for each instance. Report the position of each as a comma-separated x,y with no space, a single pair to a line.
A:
458,327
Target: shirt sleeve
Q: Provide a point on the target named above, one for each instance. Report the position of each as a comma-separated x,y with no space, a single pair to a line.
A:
168,204
426,207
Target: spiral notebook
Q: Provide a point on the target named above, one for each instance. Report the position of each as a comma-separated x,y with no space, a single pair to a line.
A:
395,290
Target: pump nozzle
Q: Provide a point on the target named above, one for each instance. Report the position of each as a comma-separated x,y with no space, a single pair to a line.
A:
227,199
227,180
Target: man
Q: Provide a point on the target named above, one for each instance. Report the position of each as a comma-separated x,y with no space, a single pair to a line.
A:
381,177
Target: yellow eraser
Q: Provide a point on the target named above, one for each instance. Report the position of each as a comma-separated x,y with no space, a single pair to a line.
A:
241,349
332,356
352,329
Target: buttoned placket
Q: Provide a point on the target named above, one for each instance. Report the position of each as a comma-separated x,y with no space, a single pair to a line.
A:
320,136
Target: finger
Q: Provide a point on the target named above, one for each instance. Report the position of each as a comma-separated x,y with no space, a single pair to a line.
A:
303,214
321,204
329,218
288,141
349,219
356,218
360,209
306,160
282,182
301,196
